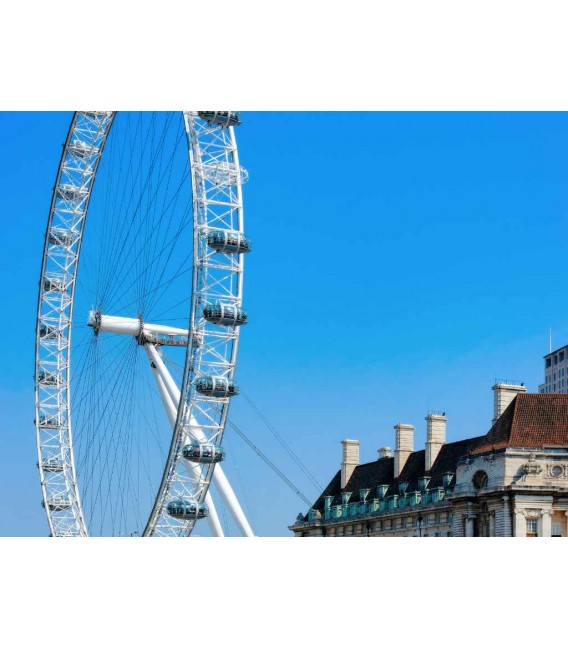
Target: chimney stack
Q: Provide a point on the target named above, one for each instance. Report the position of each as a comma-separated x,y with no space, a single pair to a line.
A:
404,446
435,437
503,393
386,451
350,459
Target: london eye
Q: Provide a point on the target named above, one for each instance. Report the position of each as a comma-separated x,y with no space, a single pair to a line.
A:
139,313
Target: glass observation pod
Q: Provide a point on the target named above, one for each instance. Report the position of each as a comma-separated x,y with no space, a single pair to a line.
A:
48,422
216,386
53,285
226,315
222,117
47,378
71,192
60,237
47,331
52,465
82,149
187,509
228,242
203,453
57,504
95,114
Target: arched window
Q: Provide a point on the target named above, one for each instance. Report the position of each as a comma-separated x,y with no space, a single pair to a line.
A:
480,480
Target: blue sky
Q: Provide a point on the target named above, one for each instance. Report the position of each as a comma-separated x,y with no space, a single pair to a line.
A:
402,262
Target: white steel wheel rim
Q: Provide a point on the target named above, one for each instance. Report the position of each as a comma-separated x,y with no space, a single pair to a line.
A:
211,349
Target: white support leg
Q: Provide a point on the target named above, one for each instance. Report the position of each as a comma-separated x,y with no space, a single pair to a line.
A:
219,478
193,469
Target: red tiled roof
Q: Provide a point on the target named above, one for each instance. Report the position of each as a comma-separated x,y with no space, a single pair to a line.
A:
530,421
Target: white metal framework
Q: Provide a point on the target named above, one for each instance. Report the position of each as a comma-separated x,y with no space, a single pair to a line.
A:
196,408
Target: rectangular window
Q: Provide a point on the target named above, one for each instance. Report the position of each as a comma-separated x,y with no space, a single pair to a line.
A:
556,529
548,362
561,356
532,527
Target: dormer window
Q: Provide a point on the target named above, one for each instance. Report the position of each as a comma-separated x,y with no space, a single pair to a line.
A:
345,497
392,502
415,498
382,490
313,515
438,495
363,493
328,501
447,478
402,487
423,483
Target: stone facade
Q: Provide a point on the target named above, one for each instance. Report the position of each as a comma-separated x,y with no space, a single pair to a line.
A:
513,481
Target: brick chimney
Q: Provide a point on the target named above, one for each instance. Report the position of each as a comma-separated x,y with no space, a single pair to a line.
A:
350,460
503,393
435,437
386,451
404,446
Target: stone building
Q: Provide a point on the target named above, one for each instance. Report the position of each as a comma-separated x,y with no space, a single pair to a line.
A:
556,372
512,481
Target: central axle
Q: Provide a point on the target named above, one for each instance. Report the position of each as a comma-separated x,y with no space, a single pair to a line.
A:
144,332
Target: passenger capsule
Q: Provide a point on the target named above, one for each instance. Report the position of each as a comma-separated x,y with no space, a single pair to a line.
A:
187,510
226,315
221,117
82,149
47,421
47,378
52,465
228,242
203,453
57,504
71,192
47,331
97,114
61,237
216,386
53,285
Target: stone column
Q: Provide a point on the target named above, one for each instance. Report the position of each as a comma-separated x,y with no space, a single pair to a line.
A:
492,523
546,522
506,519
520,523
469,524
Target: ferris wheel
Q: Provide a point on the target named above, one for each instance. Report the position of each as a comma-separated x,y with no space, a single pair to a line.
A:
139,313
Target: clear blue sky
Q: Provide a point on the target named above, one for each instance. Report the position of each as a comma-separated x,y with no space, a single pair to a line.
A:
402,262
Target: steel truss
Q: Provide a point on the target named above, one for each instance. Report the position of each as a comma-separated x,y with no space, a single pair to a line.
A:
217,180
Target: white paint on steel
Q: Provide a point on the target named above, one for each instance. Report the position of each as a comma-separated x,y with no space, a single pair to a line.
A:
211,350
195,433
193,469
